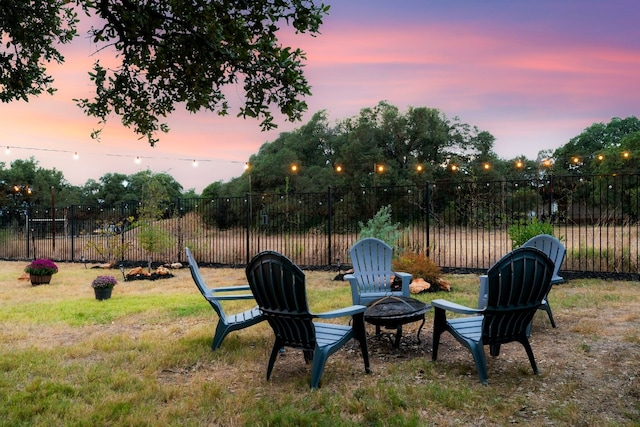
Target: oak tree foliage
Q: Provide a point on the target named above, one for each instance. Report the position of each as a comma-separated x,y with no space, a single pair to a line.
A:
168,53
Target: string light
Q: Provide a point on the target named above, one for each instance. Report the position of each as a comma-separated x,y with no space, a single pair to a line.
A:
138,159
379,168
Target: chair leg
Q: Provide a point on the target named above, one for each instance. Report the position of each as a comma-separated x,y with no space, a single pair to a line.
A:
308,355
494,350
274,355
319,360
477,350
439,326
221,331
532,360
547,308
360,334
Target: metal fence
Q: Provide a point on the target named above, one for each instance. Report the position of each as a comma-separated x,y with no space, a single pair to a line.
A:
461,225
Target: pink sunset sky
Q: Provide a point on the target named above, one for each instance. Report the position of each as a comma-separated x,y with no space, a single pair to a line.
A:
533,74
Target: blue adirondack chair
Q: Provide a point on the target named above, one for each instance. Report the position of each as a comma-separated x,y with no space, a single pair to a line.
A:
516,286
372,272
551,247
226,323
279,288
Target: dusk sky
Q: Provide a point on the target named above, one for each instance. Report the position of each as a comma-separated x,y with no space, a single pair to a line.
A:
532,73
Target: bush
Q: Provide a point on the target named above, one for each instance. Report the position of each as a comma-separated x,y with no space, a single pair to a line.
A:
520,233
419,266
381,227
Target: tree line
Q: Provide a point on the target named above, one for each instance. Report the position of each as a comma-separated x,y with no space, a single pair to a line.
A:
381,146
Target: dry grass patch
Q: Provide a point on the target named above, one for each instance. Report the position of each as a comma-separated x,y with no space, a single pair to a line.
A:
144,358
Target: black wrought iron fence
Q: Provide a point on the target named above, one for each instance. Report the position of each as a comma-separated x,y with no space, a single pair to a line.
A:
461,225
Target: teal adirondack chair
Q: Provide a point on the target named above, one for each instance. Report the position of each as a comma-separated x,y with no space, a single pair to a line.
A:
372,272
516,286
279,288
552,248
226,323
556,251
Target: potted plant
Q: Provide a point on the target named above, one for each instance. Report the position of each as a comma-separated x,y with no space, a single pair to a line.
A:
103,285
40,271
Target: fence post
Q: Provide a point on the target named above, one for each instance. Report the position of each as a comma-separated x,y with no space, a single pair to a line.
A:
427,197
124,223
27,224
72,228
248,225
329,225
181,244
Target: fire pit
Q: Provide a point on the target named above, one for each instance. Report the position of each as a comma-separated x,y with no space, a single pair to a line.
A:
392,312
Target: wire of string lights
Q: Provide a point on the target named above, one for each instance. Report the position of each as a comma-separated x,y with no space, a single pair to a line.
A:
137,159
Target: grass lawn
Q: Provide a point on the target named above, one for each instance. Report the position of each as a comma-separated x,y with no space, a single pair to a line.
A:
143,358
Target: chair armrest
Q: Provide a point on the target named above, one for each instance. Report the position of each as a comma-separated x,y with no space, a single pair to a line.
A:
483,293
232,288
452,306
341,312
218,293
355,289
406,281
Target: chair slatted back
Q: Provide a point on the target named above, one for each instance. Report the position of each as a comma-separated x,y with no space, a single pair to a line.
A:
551,247
278,286
517,285
371,259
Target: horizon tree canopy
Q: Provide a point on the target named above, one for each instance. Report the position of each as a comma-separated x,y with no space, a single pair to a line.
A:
168,52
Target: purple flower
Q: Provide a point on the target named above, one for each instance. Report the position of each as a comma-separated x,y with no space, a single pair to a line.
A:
41,267
104,282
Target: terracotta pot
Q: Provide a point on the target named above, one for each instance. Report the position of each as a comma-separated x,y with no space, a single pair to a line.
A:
103,293
40,280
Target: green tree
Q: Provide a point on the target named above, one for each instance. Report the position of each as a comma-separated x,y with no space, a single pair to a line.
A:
153,238
582,154
145,183
115,190
213,190
381,226
29,182
378,136
169,52
621,158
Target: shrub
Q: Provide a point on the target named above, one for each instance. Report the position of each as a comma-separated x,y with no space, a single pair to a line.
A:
520,233
381,227
419,266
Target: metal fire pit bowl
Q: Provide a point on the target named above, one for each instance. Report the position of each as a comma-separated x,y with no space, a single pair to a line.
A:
393,311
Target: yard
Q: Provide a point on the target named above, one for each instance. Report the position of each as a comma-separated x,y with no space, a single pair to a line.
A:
143,358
